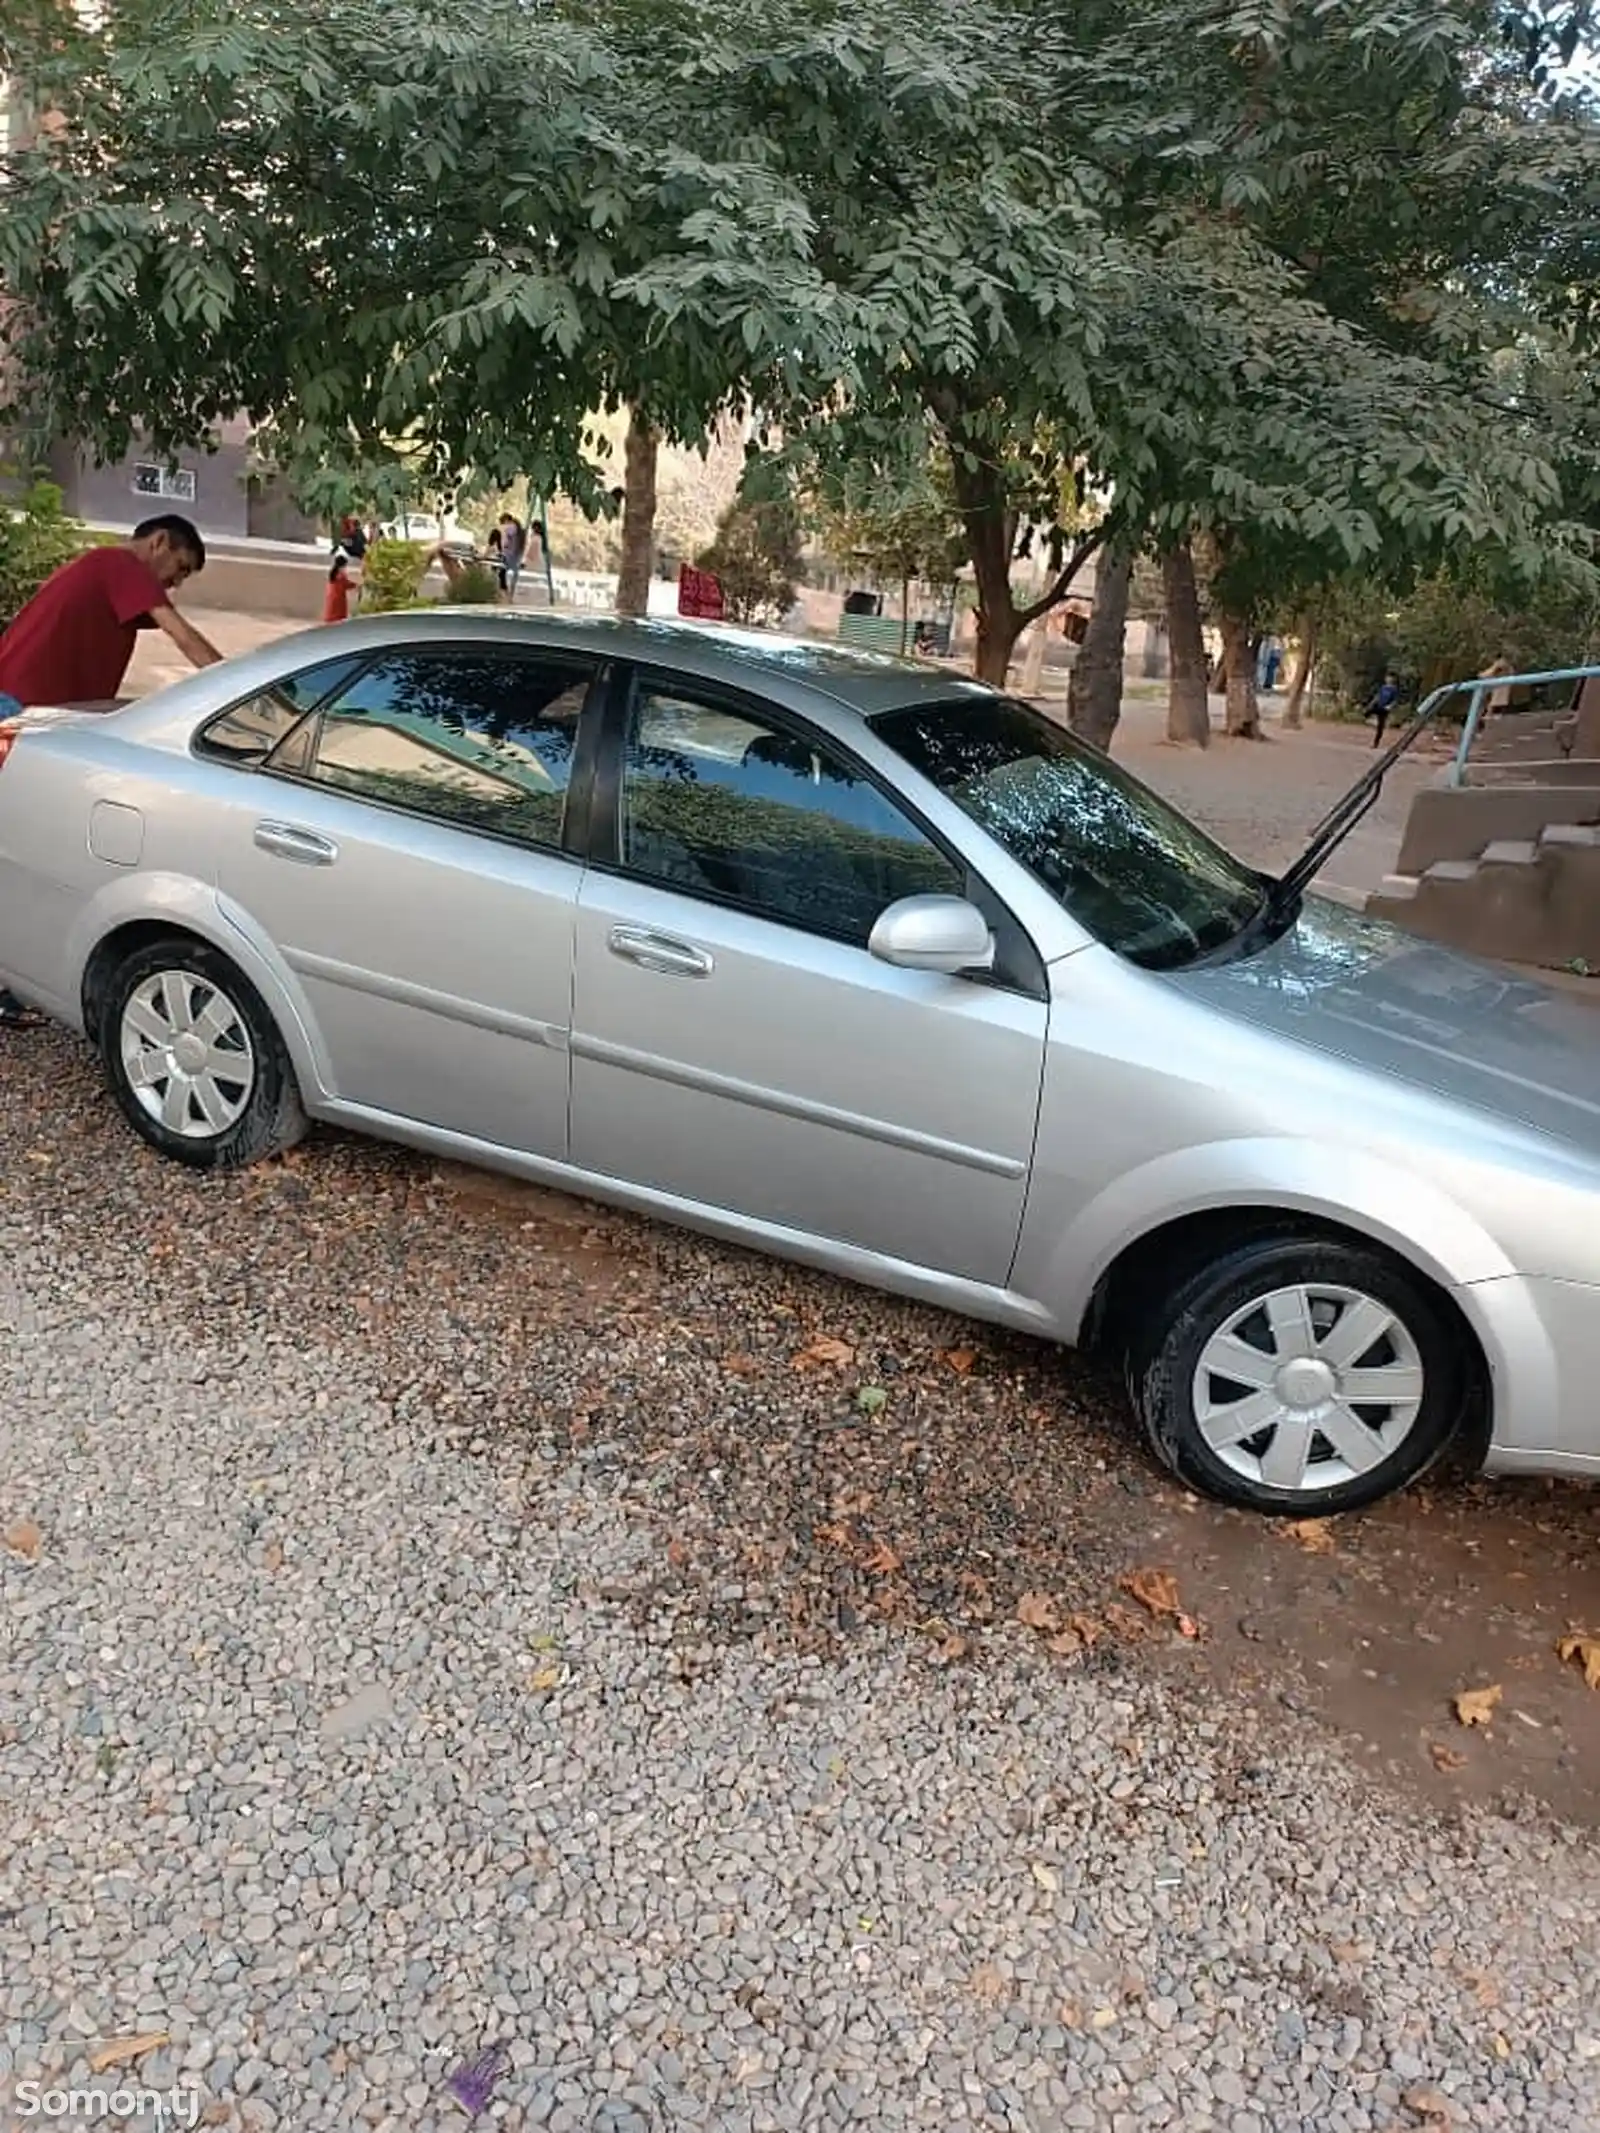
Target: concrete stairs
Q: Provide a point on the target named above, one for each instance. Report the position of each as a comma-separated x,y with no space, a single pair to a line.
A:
1521,900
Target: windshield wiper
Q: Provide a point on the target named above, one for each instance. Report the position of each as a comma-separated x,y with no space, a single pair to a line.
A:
1343,816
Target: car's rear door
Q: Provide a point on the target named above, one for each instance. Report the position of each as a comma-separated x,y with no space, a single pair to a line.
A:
735,1045
408,852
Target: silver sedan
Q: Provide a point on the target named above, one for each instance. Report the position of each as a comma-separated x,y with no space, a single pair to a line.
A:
851,962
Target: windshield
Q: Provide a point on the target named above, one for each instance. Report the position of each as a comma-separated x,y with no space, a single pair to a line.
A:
1130,869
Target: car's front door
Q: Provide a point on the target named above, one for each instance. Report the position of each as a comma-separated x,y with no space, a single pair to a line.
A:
735,1044
404,851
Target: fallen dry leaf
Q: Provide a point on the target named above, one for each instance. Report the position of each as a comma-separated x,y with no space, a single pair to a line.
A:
1586,1650
833,1536
960,1360
544,1680
272,1555
1446,1758
1102,2018
824,1350
1039,1610
883,1562
1123,1622
1047,1877
1156,1590
1501,2046
1188,1627
1432,2105
742,1366
989,1984
1315,1535
1066,1644
954,1647
677,1553
123,2051
24,1539
1475,1707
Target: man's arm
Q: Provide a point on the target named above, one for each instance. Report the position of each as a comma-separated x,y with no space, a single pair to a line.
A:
198,650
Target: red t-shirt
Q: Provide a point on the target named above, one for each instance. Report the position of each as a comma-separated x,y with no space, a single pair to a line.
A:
72,642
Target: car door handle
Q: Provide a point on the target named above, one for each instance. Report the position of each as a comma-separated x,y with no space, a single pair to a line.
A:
284,841
660,952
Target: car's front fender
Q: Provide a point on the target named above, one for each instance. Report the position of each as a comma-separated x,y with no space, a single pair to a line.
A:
1377,1198
191,906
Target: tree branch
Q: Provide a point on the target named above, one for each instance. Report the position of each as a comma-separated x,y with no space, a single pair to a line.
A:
1056,592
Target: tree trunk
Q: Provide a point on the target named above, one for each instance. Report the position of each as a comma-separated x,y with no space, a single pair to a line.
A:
991,531
998,631
638,516
1239,670
1305,667
1188,705
1094,694
905,615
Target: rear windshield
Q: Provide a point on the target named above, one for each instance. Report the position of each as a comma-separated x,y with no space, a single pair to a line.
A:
1132,871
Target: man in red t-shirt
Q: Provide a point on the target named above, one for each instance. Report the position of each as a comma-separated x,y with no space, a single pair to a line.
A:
72,642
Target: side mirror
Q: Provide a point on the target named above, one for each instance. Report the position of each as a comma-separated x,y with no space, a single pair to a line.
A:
943,933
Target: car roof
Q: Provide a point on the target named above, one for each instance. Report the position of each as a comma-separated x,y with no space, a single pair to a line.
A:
860,681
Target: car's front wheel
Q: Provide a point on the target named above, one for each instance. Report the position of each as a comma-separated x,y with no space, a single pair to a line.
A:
1299,1376
194,1059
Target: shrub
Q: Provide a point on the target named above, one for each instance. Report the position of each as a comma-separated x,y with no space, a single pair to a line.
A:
756,559
475,586
392,575
36,537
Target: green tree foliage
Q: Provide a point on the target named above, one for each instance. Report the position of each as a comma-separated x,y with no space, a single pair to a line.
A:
404,237
1316,279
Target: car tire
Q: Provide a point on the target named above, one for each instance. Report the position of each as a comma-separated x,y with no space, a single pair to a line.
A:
1302,1323
194,1058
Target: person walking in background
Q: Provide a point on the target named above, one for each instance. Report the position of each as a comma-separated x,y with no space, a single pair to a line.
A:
352,539
1497,700
71,643
513,552
1380,708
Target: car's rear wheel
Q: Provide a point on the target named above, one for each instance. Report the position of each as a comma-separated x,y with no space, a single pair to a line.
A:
194,1058
1300,1376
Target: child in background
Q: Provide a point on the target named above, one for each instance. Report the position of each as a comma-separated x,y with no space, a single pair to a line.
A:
341,583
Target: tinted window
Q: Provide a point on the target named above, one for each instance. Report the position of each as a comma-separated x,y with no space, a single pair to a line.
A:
726,806
250,731
481,739
1139,876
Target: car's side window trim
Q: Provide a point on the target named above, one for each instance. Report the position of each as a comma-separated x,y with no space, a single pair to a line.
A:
352,673
576,798
1020,968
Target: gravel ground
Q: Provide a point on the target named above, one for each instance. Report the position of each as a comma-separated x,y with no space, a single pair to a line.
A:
401,1659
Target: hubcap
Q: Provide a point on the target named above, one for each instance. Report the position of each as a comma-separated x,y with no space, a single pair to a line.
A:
1306,1388
187,1054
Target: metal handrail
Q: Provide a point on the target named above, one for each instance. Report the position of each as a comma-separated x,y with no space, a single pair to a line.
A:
1482,687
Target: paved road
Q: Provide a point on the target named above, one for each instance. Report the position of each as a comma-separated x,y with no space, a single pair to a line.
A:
1263,798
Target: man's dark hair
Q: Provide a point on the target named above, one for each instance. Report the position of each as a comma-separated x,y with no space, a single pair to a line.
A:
181,532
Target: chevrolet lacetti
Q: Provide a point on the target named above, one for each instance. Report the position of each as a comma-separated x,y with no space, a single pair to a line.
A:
844,959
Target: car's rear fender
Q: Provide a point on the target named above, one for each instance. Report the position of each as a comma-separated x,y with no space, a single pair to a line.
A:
1376,1198
174,901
